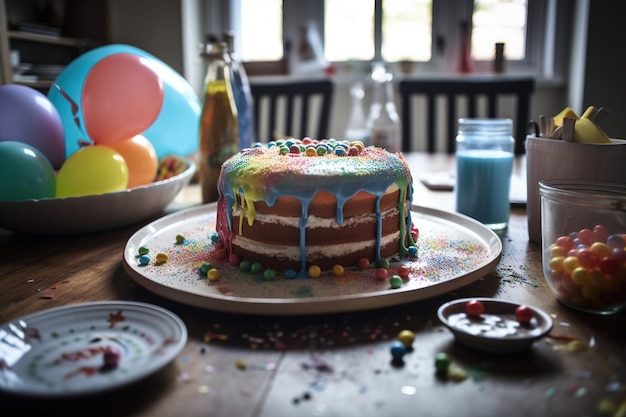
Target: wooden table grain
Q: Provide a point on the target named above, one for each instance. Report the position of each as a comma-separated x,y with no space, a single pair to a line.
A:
331,364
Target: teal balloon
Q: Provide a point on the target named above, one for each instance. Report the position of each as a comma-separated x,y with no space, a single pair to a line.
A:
175,130
25,173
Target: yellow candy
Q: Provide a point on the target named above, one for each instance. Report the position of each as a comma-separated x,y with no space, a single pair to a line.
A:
581,276
338,270
314,271
591,291
601,249
556,250
407,337
213,275
570,263
161,258
556,263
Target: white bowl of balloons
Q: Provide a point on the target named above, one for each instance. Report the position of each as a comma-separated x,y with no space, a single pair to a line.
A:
90,212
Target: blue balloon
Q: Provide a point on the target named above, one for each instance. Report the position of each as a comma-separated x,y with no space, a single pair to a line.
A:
175,131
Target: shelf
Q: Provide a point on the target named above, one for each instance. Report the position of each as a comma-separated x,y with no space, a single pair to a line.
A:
38,85
48,33
52,40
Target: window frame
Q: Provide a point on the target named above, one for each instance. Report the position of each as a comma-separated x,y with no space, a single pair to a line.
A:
541,51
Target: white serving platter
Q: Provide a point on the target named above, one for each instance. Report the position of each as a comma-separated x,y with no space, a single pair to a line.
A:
453,251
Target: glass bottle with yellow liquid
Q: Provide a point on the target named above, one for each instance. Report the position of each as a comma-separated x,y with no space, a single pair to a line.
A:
219,132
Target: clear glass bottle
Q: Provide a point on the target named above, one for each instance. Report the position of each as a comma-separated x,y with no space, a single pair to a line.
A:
219,130
356,128
242,94
383,122
484,162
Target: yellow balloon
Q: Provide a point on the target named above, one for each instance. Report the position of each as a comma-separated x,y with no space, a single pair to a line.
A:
92,170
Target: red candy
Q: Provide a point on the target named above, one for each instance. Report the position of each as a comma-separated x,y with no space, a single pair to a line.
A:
474,308
524,314
585,237
404,271
600,234
381,273
234,259
588,259
566,242
364,263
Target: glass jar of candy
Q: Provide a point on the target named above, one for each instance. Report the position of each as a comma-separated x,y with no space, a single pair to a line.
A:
583,242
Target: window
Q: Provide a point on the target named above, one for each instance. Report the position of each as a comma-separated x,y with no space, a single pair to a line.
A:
427,33
265,44
499,21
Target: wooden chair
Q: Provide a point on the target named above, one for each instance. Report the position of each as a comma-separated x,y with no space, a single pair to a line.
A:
296,108
454,90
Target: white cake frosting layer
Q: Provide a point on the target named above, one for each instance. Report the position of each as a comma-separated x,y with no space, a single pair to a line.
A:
293,252
314,222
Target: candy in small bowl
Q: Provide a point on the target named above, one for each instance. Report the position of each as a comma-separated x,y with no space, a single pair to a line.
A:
583,239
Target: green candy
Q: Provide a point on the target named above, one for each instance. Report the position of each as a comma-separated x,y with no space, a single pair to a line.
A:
395,281
442,363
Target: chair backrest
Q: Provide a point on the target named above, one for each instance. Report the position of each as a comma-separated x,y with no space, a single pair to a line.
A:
296,108
454,90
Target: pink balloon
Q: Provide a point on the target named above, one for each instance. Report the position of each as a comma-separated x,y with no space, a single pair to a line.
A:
122,96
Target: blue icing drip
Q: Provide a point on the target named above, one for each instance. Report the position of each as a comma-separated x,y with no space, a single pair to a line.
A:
303,221
379,227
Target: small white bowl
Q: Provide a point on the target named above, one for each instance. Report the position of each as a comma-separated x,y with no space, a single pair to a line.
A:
497,329
93,213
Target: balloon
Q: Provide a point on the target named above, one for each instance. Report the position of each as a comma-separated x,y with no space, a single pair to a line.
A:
121,98
25,173
93,169
27,116
140,157
175,131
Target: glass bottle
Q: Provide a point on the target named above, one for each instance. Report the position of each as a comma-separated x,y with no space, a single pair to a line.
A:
356,128
242,94
383,122
484,162
466,65
219,130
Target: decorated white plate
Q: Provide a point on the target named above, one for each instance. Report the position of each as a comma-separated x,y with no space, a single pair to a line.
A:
93,213
497,329
87,348
453,251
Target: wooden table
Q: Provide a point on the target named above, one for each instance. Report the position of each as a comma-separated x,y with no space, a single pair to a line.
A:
334,364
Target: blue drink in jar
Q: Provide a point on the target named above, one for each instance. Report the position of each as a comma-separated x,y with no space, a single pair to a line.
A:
484,158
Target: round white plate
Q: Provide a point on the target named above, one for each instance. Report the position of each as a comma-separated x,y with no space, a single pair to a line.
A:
93,213
454,251
60,352
497,329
